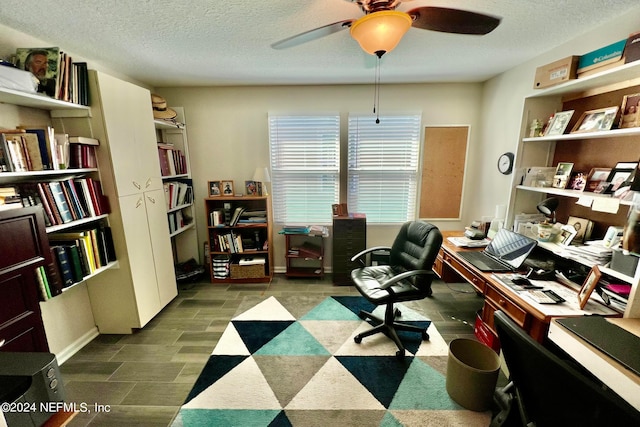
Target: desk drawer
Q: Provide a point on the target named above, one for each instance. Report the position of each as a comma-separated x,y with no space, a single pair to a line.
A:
497,301
475,280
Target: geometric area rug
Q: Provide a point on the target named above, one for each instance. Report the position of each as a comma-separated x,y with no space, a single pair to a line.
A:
292,361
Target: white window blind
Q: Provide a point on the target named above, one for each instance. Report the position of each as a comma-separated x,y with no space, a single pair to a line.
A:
305,167
383,167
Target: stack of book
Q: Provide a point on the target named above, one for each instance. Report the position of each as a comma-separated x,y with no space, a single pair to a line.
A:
172,160
60,78
66,200
80,253
82,152
253,216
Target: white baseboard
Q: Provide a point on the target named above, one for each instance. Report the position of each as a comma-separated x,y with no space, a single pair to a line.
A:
76,346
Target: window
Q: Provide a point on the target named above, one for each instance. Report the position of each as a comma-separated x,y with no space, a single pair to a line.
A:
305,167
383,167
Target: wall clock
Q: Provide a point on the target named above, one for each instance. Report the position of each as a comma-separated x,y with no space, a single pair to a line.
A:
505,163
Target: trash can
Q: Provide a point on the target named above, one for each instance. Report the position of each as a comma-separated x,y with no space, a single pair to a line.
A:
472,374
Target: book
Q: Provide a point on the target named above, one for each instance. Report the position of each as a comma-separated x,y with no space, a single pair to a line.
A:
16,152
61,201
42,62
83,140
45,294
64,264
52,271
236,216
45,191
42,134
632,48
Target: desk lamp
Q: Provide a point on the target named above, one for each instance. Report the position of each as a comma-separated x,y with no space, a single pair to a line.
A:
548,208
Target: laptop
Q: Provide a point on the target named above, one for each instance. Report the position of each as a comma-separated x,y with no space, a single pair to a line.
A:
506,252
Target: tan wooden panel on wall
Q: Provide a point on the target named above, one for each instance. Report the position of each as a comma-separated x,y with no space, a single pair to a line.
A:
444,157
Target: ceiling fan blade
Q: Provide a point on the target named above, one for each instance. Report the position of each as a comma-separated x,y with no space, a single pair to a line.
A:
314,34
453,20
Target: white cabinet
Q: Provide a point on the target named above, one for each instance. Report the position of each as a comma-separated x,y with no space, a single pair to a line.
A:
128,297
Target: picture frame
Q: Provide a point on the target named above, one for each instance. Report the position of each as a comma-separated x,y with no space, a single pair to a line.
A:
563,172
226,188
558,123
567,234
582,226
630,116
595,177
619,175
214,188
596,120
588,286
578,181
253,188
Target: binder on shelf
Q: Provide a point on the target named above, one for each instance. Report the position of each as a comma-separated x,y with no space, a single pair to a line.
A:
60,201
65,265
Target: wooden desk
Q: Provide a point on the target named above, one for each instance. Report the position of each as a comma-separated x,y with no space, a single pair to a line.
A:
620,379
531,316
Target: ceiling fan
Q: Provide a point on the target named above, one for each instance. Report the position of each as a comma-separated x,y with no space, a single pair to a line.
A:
382,27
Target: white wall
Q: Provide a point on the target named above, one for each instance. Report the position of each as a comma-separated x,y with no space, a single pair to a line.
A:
228,131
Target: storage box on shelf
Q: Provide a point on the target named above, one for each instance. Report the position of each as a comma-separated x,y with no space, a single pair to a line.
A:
241,251
585,150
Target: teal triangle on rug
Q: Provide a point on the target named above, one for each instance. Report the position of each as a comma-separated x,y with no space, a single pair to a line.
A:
273,368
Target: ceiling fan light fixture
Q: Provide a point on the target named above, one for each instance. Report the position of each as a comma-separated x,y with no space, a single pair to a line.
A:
380,32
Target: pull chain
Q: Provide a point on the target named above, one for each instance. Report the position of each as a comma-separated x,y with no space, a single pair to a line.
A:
376,92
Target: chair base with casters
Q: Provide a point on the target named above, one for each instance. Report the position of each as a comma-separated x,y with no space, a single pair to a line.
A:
407,278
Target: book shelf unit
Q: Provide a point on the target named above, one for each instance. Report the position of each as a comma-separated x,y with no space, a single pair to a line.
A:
180,215
305,255
255,240
585,150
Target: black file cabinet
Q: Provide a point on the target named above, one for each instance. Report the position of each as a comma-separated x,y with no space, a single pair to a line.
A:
349,238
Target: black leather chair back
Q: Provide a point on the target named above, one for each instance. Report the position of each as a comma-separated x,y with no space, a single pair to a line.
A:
415,248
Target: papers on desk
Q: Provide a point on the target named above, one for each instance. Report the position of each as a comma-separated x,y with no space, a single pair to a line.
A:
568,308
465,242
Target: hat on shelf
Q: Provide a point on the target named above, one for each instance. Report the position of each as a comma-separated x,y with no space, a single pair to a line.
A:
160,109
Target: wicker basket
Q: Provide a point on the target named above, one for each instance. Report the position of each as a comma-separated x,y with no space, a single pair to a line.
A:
247,271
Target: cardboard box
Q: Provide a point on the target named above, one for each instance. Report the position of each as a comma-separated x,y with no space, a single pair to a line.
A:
600,57
557,72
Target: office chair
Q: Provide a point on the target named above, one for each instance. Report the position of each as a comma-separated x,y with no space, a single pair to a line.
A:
549,391
408,277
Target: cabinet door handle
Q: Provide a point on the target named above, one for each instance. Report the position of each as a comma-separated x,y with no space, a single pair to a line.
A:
148,183
2,343
151,199
139,202
135,184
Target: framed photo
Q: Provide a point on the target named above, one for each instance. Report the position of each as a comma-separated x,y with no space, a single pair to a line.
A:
588,286
254,188
558,123
596,120
582,226
578,181
619,175
595,177
630,114
227,188
563,172
43,64
214,188
567,233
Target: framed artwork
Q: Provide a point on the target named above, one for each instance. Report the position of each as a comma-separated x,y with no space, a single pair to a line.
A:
589,285
619,175
595,177
581,226
227,188
596,120
563,172
43,64
629,117
567,234
558,123
214,188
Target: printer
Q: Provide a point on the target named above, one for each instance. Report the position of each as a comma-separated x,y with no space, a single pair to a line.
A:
29,381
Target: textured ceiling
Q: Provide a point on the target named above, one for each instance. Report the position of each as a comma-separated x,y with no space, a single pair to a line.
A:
206,42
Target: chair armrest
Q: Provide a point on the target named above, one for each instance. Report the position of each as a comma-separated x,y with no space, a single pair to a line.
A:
402,276
369,250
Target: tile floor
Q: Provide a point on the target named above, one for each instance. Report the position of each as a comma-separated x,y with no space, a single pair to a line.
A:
143,378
